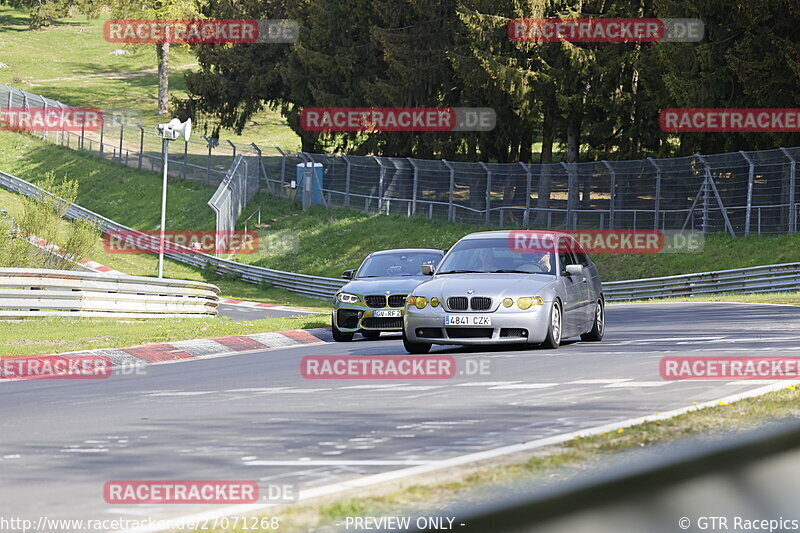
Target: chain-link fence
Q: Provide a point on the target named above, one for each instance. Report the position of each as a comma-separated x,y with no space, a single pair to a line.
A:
234,192
738,193
121,139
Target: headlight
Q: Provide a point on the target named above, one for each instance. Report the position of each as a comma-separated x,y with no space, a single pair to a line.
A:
526,301
508,302
434,302
347,298
421,302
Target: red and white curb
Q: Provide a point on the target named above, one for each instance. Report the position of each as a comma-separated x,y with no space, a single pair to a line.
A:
90,265
179,351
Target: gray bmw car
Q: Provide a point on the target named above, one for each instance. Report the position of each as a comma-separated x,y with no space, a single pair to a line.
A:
505,287
374,299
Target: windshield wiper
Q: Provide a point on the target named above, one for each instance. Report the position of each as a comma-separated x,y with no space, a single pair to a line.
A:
462,272
510,271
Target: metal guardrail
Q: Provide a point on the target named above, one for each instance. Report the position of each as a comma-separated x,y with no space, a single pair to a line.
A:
783,277
761,279
28,292
313,286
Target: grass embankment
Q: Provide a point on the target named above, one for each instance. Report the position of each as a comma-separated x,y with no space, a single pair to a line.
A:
58,334
72,62
327,241
131,197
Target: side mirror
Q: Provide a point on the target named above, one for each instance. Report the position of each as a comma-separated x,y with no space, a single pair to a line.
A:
427,270
575,270
348,274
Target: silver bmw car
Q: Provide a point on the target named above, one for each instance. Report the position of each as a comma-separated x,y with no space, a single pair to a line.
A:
498,288
374,298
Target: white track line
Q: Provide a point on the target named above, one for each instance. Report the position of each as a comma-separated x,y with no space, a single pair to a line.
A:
394,475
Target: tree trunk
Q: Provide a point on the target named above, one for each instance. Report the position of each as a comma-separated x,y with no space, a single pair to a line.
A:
572,168
543,198
162,52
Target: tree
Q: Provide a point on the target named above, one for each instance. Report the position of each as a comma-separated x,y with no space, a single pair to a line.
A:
157,10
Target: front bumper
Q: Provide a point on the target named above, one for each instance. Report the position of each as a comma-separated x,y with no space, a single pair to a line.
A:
509,326
353,318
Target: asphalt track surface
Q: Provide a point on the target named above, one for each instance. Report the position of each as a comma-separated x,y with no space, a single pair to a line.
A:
254,417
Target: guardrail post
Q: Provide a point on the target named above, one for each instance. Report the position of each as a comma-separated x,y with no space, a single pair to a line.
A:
283,170
346,181
414,187
488,193
380,183
750,177
529,177
657,206
612,203
792,206
451,211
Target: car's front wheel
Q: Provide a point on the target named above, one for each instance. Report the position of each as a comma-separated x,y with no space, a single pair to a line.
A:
339,335
415,347
599,326
553,339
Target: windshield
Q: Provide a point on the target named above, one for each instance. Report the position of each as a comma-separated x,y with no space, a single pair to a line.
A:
494,255
397,264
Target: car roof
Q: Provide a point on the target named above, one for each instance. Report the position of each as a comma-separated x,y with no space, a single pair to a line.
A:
507,233
407,250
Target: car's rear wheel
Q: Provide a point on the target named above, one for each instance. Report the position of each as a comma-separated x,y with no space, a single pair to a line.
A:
371,334
339,335
553,339
599,326
415,347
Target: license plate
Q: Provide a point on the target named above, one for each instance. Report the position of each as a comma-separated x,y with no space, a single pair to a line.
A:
388,313
467,320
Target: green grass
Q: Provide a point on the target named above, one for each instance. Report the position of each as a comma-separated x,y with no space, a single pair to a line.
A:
131,197
325,241
72,62
57,335
786,298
